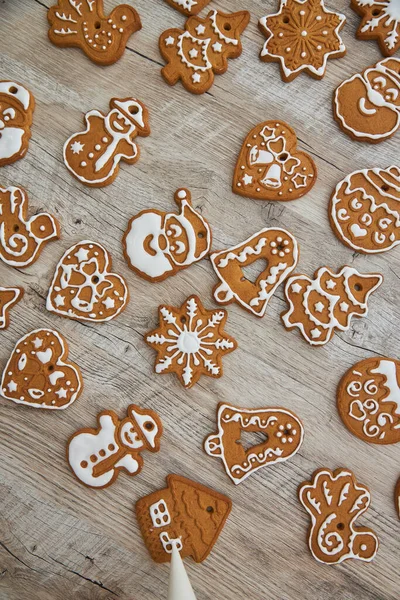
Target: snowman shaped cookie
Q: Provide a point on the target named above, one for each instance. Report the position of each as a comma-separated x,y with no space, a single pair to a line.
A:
16,108
93,155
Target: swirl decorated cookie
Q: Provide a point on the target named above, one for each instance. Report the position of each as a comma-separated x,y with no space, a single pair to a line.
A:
39,374
16,109
84,286
367,106
22,239
97,456
380,21
282,429
368,400
334,501
278,250
364,210
201,50
83,24
270,167
302,36
186,515
158,244
190,341
328,302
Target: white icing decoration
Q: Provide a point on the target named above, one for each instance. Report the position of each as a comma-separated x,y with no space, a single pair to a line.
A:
159,514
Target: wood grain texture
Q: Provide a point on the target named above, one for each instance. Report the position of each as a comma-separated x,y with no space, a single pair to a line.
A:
61,540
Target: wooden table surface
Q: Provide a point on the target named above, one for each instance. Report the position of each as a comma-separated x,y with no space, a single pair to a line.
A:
60,540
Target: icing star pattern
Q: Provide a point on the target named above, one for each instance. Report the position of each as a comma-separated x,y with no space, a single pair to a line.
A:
190,341
302,36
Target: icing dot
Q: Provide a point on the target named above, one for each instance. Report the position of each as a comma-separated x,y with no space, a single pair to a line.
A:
290,440
302,12
280,35
104,139
288,49
114,27
303,54
109,21
90,155
274,251
294,431
90,41
104,47
86,36
290,190
363,547
96,36
258,190
304,33
239,184
109,34
279,434
280,193
53,401
42,228
279,239
97,147
18,350
68,383
325,32
318,18
286,243
123,18
121,30
273,244
319,47
242,167
284,440
83,164
21,398
94,45
182,193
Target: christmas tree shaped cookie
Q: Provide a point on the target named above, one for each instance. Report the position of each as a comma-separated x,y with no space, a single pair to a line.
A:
195,54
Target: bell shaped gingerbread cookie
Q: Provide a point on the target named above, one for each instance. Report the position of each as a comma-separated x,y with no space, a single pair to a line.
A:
96,456
188,7
334,501
93,155
278,250
22,239
202,49
8,297
84,286
302,36
380,21
270,167
283,433
83,24
190,341
16,108
159,244
365,210
185,514
368,400
319,306
367,106
38,373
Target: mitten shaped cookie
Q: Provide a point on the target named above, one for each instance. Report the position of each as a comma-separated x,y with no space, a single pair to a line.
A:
84,25
319,306
93,155
96,456
367,106
185,514
16,108
195,54
334,501
23,239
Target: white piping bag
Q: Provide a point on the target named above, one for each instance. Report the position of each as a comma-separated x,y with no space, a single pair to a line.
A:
179,587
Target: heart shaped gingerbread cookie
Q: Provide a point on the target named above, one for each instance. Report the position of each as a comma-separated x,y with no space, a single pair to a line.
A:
38,374
282,429
270,167
84,287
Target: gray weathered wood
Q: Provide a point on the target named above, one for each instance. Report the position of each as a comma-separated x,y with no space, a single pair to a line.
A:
60,540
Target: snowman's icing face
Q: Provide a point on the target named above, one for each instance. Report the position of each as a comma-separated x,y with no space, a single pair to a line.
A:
383,89
119,123
129,434
187,237
13,125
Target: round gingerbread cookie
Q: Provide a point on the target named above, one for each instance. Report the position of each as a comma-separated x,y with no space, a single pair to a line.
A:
368,400
16,109
364,210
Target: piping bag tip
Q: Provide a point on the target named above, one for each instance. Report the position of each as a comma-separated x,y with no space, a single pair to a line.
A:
179,587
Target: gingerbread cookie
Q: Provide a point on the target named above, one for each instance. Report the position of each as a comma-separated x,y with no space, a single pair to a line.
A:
365,210
397,498
279,251
22,239
38,373
159,244
16,109
84,287
93,155
190,341
8,297
283,432
83,24
367,106
368,400
270,167
202,49
302,36
334,501
319,306
185,514
188,7
380,21
96,456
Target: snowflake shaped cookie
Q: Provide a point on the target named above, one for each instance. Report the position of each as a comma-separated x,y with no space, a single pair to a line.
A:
190,341
302,35
380,21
